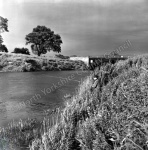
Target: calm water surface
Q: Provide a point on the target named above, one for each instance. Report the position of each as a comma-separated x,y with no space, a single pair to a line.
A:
18,89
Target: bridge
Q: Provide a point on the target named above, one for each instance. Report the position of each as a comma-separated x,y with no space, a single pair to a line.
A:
99,61
93,62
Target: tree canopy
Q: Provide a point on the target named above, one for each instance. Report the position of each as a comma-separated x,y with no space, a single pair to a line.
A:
3,48
3,28
21,51
3,24
43,39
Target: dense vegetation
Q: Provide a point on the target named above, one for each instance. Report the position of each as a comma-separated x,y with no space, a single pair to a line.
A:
3,48
3,28
112,117
21,51
43,39
26,63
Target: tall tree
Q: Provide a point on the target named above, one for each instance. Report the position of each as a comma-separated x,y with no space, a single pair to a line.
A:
43,39
3,28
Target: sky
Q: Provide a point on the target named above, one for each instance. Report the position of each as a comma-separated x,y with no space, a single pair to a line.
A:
87,27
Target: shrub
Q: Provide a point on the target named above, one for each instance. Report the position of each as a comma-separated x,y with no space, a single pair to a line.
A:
62,56
3,48
33,65
21,51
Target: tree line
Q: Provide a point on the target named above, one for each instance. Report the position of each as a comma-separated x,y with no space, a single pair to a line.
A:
42,40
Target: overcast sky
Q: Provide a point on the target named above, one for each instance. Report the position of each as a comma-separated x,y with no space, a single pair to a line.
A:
87,27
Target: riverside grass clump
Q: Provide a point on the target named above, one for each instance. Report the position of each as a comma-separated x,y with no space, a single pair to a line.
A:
18,135
114,116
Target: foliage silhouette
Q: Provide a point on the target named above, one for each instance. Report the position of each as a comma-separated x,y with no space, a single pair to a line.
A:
21,51
43,39
3,48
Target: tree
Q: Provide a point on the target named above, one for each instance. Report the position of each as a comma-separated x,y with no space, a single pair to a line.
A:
3,27
21,51
3,48
42,39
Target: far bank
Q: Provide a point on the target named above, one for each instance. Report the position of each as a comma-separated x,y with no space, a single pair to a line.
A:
28,63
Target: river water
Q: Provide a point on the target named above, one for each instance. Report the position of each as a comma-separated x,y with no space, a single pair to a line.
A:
29,94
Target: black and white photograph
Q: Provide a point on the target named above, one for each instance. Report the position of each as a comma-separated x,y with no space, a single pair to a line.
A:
73,74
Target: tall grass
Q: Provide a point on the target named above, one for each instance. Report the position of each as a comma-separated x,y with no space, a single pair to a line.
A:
114,116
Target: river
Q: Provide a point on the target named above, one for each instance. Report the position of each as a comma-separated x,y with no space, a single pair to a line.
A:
29,94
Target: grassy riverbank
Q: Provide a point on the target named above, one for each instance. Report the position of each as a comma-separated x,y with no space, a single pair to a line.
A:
27,63
113,116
